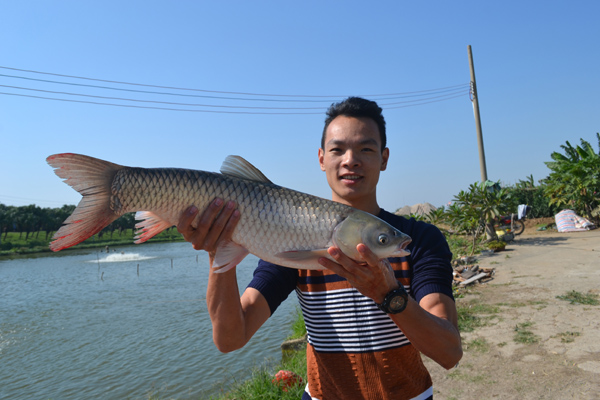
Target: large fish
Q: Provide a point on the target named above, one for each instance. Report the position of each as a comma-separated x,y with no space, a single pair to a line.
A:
279,225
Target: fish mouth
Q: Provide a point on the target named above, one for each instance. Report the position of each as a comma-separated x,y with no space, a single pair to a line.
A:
401,250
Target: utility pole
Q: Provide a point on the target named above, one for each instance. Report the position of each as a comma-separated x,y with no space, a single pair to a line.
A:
475,101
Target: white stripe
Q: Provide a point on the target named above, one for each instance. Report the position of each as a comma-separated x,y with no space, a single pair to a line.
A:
426,394
346,321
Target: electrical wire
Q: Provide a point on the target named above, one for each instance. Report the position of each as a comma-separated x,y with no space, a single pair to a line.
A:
409,94
410,99
217,91
211,111
461,91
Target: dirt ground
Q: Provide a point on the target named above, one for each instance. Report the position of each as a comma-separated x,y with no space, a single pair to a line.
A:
561,356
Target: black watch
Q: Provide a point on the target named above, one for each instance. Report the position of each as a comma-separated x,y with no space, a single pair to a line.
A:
395,301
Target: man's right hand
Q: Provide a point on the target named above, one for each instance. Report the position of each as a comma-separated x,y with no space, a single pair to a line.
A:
207,230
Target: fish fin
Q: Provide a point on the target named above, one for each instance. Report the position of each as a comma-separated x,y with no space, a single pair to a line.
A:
240,168
304,255
92,178
151,225
228,256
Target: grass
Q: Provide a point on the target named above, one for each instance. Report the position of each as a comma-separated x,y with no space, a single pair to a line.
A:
469,315
567,337
298,326
470,378
524,335
463,245
575,297
480,345
14,243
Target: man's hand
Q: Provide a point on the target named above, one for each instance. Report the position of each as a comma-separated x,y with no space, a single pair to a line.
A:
373,278
205,231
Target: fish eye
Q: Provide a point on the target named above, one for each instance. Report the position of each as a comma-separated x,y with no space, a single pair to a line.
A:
382,239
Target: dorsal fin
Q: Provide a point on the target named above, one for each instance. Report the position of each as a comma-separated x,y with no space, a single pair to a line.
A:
240,168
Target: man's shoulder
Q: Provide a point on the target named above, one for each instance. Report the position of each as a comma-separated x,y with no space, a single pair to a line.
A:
410,226
425,236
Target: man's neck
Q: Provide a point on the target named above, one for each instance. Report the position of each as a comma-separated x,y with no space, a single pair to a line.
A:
369,206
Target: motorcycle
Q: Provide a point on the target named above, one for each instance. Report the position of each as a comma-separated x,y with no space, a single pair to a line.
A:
513,223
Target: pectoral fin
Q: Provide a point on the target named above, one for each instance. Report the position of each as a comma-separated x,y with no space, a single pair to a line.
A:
228,256
151,224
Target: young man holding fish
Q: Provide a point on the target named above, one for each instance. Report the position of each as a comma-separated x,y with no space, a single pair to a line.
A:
364,331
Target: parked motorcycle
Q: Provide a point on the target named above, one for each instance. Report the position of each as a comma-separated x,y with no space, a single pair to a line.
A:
513,223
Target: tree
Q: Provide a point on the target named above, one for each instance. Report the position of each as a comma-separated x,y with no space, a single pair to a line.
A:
575,178
475,210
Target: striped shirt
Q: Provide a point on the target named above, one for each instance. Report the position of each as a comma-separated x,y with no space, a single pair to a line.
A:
355,351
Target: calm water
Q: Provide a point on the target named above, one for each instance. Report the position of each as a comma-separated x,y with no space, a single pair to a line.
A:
84,325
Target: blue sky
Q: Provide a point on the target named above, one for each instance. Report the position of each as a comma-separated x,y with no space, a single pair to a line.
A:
536,67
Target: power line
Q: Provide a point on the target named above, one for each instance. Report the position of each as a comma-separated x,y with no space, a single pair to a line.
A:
218,91
211,111
407,99
154,108
409,94
460,91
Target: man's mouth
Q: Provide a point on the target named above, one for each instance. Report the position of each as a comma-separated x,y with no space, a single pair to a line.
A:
350,177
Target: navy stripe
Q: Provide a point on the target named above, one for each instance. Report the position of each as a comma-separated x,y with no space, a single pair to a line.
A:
317,280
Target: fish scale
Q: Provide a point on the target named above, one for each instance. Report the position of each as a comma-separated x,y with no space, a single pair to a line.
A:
280,225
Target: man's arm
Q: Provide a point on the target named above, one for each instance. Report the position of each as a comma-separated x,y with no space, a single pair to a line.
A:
234,319
430,325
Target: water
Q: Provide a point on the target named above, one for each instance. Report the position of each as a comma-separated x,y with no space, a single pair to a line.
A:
82,324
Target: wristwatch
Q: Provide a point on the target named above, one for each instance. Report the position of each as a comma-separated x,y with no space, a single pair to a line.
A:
395,301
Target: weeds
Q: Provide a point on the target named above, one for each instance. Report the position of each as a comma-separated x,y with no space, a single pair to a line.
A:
468,319
524,335
480,345
575,297
567,337
298,327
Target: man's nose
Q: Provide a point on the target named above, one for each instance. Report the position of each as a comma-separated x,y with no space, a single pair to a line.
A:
351,159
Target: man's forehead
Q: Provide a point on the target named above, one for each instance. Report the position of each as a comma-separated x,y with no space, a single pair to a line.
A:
349,141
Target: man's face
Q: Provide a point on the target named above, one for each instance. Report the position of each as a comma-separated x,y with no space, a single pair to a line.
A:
352,160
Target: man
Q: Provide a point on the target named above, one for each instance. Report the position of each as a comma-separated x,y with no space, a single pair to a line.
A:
364,332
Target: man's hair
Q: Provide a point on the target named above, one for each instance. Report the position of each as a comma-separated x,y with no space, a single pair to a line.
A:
356,107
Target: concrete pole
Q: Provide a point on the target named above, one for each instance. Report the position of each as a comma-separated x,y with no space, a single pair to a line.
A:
475,101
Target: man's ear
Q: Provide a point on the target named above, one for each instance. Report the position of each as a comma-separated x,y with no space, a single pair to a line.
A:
321,156
385,154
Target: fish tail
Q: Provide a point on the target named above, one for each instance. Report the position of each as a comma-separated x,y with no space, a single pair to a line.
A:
92,178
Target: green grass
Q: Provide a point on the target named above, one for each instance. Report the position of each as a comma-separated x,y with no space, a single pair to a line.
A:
568,337
15,243
524,335
470,378
480,345
298,326
575,297
461,245
469,315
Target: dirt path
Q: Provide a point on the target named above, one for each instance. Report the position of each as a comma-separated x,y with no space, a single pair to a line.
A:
532,345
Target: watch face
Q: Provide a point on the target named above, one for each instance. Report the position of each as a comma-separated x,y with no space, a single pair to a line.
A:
397,303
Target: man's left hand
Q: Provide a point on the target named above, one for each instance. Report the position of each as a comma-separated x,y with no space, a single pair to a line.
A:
373,278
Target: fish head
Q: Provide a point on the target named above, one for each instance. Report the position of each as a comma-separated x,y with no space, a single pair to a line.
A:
360,227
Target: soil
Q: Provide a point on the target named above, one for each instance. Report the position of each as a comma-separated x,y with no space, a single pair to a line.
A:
560,358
